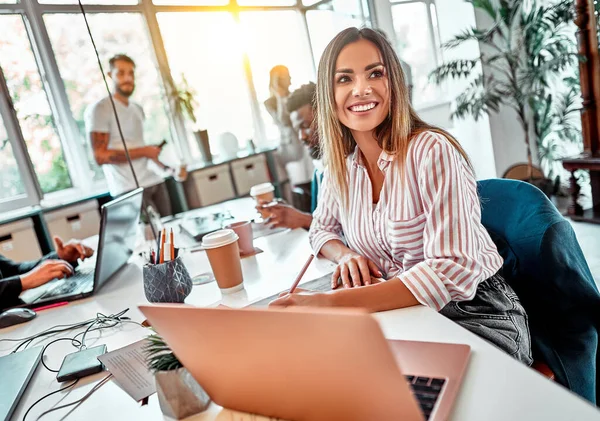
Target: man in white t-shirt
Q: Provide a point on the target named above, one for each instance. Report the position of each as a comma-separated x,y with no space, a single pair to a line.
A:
108,147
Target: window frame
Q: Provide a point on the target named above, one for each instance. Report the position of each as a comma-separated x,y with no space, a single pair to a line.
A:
74,152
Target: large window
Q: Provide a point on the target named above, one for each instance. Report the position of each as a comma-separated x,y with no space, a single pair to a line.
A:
416,29
328,20
289,48
224,49
11,184
113,33
205,49
31,104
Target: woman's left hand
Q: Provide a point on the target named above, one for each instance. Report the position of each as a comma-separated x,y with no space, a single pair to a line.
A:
302,297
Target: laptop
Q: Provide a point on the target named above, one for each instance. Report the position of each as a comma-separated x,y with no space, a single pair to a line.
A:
17,370
116,242
311,364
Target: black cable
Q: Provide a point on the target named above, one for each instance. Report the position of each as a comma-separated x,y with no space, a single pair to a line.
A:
48,395
50,343
78,401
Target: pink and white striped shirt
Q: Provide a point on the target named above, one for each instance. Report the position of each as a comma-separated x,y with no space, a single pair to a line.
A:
427,232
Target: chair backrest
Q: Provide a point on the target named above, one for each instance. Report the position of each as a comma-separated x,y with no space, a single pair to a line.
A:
544,263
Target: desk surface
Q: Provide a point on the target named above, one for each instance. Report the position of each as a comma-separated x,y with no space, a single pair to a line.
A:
496,387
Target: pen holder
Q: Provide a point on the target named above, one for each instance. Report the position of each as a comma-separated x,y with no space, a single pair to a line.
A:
168,282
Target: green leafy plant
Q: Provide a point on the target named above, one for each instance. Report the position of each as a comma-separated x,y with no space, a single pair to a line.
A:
183,100
526,47
159,356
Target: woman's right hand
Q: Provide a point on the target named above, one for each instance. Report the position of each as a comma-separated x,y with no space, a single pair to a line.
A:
45,272
354,270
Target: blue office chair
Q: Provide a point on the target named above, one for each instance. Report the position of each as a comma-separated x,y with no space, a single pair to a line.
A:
546,267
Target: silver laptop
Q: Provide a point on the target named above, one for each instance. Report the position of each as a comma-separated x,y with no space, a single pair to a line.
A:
118,230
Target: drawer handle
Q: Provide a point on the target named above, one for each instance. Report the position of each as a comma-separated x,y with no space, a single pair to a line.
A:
250,166
213,177
5,238
73,218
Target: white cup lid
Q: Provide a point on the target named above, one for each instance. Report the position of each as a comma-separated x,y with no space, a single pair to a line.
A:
219,238
261,189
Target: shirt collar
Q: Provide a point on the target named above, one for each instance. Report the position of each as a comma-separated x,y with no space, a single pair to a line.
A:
384,159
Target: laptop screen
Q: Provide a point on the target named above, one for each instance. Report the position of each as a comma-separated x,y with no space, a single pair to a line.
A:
117,241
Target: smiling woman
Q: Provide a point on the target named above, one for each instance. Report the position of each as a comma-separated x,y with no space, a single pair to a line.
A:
399,202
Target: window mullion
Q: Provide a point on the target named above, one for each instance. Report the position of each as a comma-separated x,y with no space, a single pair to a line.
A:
19,147
66,126
160,55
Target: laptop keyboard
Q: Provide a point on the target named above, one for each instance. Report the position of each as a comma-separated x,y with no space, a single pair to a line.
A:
426,390
79,282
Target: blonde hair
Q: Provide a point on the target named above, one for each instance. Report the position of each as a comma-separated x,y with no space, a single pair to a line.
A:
393,134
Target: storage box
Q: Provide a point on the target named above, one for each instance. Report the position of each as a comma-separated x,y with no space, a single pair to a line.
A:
248,172
208,186
19,242
76,221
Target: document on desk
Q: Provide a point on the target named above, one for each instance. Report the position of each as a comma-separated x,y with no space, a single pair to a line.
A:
128,367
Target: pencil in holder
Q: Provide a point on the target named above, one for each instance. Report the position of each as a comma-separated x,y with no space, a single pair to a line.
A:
168,282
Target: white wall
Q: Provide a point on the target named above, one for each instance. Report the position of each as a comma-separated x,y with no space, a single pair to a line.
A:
508,137
475,136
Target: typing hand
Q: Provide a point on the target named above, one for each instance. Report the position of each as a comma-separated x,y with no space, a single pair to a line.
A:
72,250
45,272
302,297
354,270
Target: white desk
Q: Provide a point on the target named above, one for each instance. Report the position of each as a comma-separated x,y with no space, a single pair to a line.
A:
496,387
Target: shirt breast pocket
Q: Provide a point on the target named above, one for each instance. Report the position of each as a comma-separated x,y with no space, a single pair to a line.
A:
406,239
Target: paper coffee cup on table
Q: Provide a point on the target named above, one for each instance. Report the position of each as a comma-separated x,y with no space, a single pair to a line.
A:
224,256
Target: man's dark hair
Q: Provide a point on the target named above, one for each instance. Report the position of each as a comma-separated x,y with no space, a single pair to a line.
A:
120,57
304,95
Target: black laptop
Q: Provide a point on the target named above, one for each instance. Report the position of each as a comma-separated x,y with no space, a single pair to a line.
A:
118,230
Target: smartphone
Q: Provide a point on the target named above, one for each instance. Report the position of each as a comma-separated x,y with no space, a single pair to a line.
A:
163,143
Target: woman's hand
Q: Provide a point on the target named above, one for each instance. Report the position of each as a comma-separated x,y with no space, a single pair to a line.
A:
72,250
302,297
355,271
45,272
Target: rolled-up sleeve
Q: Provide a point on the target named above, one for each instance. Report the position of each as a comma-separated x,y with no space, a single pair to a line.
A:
458,253
326,224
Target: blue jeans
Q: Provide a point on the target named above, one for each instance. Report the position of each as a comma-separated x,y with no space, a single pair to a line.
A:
496,315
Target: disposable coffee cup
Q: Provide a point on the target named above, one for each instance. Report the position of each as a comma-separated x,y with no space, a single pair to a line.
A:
244,232
263,193
224,256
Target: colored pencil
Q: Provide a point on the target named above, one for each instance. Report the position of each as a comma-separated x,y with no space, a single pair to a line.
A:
162,245
301,274
172,246
49,306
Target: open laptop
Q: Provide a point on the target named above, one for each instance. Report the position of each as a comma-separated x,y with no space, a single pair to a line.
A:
118,230
311,364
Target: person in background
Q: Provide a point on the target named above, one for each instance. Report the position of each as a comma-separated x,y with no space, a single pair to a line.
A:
300,105
18,277
108,148
289,149
399,211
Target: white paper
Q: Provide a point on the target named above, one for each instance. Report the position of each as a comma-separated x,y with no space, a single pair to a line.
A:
128,367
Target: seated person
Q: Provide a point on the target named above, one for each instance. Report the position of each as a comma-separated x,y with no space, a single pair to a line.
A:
399,202
18,277
300,106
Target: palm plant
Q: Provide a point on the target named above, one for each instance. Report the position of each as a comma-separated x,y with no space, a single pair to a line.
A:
525,48
159,356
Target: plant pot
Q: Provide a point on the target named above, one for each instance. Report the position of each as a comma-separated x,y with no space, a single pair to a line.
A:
204,145
179,395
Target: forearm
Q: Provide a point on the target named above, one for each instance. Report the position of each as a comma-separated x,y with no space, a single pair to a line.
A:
389,295
306,219
117,156
334,250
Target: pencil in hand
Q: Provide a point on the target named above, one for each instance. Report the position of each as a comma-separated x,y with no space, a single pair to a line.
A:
301,274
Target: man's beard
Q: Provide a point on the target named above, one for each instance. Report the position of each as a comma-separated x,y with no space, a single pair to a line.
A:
126,93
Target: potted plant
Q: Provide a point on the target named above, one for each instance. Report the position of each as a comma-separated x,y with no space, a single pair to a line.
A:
179,395
183,100
527,47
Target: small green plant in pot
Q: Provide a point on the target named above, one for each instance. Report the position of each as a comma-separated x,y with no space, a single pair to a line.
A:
179,395
184,102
